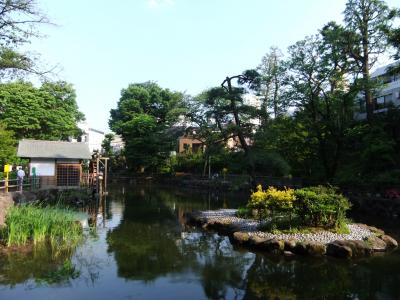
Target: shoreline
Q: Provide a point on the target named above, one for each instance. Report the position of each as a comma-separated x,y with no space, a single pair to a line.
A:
362,241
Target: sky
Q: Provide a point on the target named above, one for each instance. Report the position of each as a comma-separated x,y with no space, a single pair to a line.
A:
185,45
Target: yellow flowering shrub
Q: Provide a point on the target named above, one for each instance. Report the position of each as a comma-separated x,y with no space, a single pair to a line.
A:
271,200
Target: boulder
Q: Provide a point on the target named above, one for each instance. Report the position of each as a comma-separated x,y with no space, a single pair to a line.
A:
257,241
376,244
273,245
300,248
391,243
290,244
339,249
315,249
241,237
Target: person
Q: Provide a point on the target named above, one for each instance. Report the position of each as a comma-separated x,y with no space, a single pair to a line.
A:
20,176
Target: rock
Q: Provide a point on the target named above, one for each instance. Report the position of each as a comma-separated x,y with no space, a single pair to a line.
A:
290,244
241,237
300,248
376,244
6,201
273,245
315,249
390,242
339,249
359,248
257,241
375,230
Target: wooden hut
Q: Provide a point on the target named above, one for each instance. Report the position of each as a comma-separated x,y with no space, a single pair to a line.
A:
57,164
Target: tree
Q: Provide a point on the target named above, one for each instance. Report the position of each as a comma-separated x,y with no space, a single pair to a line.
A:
7,145
320,91
228,116
143,116
365,21
49,112
272,73
19,20
393,35
106,144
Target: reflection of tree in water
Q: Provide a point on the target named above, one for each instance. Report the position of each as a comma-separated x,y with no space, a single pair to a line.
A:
144,244
220,269
148,243
310,278
40,263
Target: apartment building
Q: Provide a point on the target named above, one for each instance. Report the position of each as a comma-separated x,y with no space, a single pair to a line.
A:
386,96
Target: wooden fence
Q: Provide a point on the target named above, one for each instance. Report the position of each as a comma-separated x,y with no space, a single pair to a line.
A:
28,183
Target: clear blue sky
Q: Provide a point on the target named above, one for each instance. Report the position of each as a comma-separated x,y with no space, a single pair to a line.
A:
184,45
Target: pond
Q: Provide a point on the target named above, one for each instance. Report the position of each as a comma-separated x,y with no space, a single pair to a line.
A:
142,249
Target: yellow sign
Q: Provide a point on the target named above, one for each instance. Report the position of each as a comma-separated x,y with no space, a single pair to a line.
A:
7,168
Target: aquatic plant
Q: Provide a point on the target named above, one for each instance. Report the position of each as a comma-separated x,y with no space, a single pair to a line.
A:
26,223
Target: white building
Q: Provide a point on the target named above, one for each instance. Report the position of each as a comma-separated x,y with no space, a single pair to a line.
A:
117,144
388,94
93,137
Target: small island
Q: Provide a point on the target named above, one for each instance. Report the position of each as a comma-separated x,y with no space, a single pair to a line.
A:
308,221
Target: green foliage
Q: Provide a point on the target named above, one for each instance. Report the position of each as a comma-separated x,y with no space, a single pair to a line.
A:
143,116
19,20
244,212
7,146
272,201
49,112
314,206
321,206
26,223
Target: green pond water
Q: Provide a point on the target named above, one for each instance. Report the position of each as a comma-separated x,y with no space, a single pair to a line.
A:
142,249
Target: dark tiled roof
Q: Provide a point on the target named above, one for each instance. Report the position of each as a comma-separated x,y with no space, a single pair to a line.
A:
53,149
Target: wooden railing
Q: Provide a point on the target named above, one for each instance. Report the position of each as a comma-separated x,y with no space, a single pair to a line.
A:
28,183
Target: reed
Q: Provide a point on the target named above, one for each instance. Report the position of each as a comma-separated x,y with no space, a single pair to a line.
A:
32,223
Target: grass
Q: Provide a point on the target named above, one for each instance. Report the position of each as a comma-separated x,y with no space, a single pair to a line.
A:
26,223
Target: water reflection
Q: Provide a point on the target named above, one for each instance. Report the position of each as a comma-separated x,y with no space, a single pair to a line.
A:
142,249
40,263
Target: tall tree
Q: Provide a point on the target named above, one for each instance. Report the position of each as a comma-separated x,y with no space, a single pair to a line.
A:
394,39
272,77
49,112
228,113
321,93
365,21
143,116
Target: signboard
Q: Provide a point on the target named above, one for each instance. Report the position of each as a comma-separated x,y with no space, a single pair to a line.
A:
7,168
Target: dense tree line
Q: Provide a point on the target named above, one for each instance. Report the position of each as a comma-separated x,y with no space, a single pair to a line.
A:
300,121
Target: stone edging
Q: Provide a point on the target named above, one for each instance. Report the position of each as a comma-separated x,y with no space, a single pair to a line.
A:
363,240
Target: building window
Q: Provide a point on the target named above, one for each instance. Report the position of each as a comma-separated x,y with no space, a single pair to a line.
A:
68,174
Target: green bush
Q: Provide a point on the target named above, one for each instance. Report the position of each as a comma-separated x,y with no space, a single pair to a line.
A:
314,206
321,206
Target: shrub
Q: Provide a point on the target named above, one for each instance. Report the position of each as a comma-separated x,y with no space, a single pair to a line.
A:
272,200
321,206
314,206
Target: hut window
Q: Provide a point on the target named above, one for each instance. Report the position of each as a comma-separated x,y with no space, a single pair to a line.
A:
68,174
